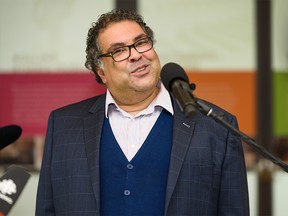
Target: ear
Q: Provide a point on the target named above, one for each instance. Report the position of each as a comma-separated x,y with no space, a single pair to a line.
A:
101,73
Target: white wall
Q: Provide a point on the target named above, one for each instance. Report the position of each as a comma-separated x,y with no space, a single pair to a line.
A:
201,34
196,34
47,34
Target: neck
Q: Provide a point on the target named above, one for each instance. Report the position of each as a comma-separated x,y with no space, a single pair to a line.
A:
138,102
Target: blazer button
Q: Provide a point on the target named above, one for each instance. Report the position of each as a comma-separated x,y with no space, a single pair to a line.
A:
129,166
127,192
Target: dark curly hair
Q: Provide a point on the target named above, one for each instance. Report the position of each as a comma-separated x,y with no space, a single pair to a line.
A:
93,63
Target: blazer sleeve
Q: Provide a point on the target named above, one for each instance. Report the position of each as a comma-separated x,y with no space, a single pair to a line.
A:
44,200
233,196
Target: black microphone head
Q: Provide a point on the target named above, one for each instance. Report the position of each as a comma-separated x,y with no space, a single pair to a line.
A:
9,134
170,72
11,185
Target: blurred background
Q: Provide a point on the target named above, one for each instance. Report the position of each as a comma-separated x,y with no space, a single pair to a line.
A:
236,52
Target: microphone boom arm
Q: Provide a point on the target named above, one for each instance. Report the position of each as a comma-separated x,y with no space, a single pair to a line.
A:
208,111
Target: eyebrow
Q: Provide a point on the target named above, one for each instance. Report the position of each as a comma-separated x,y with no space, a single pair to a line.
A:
120,44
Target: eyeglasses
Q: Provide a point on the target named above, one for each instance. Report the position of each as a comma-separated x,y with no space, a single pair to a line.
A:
124,52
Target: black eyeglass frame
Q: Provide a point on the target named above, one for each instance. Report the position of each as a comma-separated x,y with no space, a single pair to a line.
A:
110,54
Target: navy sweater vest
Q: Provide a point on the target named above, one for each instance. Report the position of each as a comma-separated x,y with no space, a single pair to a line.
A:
137,187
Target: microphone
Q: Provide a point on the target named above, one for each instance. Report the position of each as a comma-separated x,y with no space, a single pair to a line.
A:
9,134
11,186
176,81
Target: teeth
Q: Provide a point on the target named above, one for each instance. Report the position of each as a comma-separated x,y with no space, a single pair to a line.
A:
141,69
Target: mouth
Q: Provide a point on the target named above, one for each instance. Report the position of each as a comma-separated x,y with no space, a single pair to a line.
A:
140,69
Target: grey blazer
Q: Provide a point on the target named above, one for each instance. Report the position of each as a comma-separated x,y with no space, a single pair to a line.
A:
207,174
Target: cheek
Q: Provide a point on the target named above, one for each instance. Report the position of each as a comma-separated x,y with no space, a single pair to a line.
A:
114,77
153,57
107,73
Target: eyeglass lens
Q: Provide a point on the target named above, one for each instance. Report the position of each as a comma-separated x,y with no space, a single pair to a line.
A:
123,53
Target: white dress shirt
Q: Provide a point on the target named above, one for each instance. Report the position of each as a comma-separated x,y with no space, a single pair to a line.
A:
131,131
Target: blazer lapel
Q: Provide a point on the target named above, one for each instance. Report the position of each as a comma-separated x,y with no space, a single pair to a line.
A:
92,135
183,129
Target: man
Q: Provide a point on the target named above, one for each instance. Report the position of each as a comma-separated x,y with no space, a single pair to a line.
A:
132,151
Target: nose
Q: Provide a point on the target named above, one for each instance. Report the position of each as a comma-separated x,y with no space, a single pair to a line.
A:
134,54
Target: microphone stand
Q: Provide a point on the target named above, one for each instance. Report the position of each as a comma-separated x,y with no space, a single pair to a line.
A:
208,111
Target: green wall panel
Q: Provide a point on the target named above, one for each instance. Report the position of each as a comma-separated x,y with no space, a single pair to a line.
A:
280,102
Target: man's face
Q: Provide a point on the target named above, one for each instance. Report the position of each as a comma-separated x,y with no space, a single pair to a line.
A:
138,73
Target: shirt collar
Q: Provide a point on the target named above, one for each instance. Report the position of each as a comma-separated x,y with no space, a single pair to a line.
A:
163,100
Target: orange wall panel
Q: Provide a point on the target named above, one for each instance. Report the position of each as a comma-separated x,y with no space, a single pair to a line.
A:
234,91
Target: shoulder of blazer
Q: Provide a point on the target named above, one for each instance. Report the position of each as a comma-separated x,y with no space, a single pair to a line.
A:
84,107
218,110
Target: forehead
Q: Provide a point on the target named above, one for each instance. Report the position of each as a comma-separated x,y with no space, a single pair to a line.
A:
120,32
